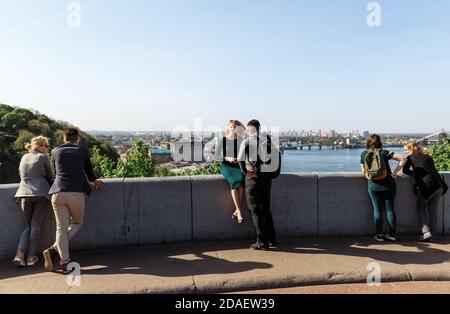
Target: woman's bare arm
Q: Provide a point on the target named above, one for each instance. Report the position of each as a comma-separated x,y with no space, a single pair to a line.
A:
401,163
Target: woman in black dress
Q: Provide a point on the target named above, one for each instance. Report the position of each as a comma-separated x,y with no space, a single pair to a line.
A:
230,169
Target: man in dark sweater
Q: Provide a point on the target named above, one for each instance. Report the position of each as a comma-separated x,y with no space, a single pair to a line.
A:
257,188
73,174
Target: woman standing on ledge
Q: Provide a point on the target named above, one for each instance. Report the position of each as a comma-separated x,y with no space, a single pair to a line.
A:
32,196
233,137
429,185
381,184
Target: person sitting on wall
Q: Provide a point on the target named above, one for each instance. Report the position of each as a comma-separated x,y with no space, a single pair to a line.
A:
228,149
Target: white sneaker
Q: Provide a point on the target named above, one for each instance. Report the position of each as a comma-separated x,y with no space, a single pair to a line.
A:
19,261
390,238
32,260
379,238
426,237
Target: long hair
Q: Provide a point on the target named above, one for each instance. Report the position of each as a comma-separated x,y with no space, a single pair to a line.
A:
416,148
374,142
35,143
239,129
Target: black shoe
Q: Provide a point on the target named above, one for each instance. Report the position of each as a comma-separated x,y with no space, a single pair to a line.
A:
50,256
260,247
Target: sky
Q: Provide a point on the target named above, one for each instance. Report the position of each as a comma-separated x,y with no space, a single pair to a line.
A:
144,65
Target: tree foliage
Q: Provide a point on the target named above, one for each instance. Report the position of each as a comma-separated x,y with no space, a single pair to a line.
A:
441,155
18,126
137,164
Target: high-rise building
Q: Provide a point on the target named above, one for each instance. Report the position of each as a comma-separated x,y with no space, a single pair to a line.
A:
333,134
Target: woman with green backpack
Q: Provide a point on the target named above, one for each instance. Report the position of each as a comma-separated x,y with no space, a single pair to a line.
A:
381,184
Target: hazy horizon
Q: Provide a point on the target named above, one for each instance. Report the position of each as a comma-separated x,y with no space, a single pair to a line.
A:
297,64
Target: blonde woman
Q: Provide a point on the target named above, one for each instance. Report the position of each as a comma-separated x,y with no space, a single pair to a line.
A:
429,184
233,137
33,198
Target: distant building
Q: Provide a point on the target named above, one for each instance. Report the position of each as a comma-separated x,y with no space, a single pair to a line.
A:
190,151
366,134
160,155
352,141
333,134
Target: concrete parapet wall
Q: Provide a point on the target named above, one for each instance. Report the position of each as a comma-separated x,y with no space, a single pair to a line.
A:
183,209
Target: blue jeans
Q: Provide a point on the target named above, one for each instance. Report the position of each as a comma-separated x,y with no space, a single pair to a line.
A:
384,200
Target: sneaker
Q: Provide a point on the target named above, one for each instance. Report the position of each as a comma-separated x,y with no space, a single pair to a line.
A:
64,268
379,238
390,237
50,255
273,243
259,246
19,260
426,237
32,260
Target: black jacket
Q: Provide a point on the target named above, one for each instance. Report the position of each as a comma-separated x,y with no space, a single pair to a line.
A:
427,178
73,169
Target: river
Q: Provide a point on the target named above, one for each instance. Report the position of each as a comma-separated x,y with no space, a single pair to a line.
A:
325,160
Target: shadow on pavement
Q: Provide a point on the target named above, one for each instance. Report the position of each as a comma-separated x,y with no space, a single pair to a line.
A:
165,261
204,258
423,254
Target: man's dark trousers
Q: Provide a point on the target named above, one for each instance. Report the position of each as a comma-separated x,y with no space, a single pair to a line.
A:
257,191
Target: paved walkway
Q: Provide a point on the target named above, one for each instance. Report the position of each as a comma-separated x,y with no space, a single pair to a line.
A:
407,287
229,266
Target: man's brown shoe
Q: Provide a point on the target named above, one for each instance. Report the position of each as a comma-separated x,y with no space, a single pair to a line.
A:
50,256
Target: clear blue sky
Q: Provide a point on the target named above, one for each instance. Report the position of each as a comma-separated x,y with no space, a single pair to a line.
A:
300,64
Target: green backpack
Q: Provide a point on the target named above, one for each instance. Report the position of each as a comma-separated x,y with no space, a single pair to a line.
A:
375,165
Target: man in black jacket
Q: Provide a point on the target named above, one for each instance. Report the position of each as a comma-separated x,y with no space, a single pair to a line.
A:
257,187
73,174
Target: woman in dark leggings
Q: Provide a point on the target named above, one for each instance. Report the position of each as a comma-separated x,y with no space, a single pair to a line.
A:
381,184
429,185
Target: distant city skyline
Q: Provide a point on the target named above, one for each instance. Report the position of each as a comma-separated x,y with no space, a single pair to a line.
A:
296,64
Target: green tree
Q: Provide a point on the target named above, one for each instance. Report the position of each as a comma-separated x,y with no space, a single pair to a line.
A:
14,120
211,169
18,126
38,127
161,171
102,165
137,164
23,138
58,138
441,155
